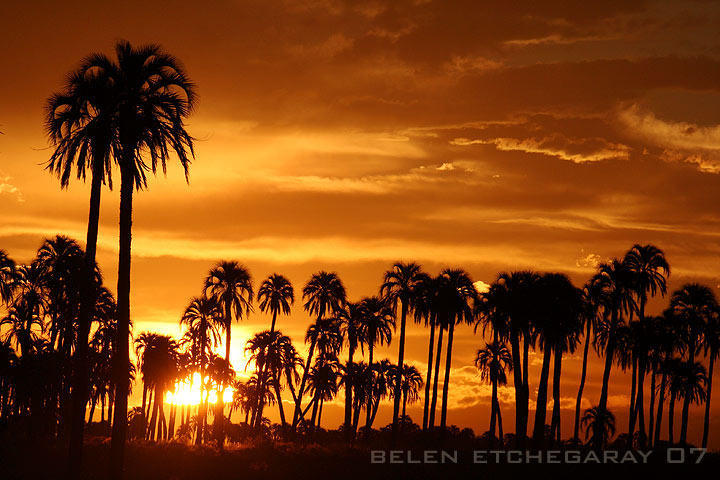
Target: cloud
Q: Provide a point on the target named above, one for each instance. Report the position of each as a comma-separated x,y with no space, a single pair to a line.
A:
681,135
7,188
577,150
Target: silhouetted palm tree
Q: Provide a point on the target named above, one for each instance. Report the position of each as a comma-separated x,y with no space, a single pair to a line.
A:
80,125
410,384
231,285
425,312
377,322
650,270
203,318
456,304
491,362
694,306
276,295
150,99
350,319
399,285
712,352
7,277
323,384
690,380
556,323
591,313
324,294
614,280
666,343
599,426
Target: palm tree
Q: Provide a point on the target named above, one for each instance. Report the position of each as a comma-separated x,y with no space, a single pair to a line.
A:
158,365
691,380
399,285
712,352
150,97
599,426
410,384
666,344
695,306
231,285
591,311
425,312
323,384
203,318
80,125
276,295
456,303
556,325
614,281
323,294
350,318
7,277
378,386
491,362
377,322
650,270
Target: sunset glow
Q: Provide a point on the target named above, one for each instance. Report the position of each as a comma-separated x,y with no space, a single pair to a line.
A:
188,393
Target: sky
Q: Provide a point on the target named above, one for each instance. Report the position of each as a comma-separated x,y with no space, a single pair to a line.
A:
345,136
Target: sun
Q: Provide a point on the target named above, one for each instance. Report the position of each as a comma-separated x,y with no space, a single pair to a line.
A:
187,392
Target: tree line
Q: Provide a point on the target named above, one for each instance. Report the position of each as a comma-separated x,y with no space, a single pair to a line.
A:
128,112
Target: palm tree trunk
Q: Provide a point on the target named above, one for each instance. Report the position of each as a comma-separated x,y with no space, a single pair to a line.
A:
555,422
228,328
92,410
401,362
671,418
642,367
368,407
499,423
651,411
404,405
633,390
583,374
518,383
446,382
298,404
525,379
201,409
426,405
319,420
661,400
541,408
609,355
280,404
144,401
493,411
433,405
173,413
122,352
348,380
684,423
706,423
87,304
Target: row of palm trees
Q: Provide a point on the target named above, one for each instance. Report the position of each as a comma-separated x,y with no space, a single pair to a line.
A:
528,310
40,342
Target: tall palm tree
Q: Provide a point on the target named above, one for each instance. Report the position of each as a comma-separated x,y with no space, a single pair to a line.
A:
712,352
158,365
399,286
378,386
425,294
377,322
231,284
695,306
556,324
203,318
80,125
591,312
323,294
275,295
492,361
614,280
323,384
350,318
150,97
457,298
650,270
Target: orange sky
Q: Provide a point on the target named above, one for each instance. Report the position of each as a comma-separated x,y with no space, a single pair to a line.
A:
487,135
